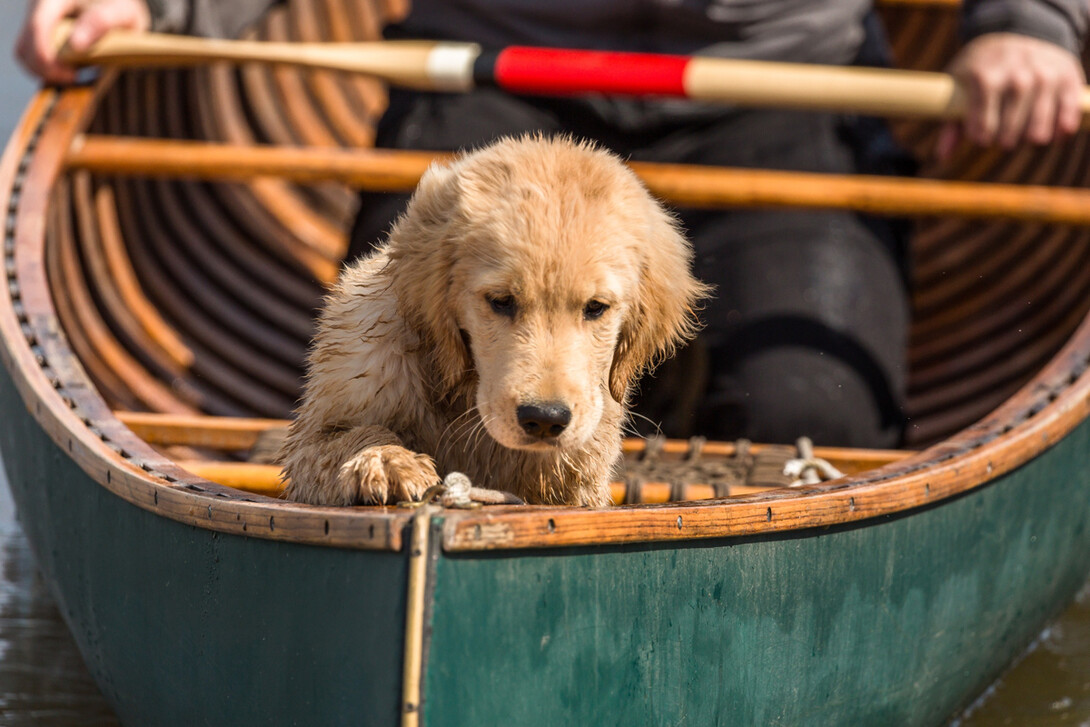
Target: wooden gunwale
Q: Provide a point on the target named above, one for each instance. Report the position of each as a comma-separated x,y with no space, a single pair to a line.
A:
56,390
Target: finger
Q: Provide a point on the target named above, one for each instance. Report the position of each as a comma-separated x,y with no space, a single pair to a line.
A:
1017,105
1069,107
985,103
39,52
1041,124
102,17
949,137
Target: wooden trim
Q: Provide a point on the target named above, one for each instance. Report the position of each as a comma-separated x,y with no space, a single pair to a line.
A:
412,665
686,185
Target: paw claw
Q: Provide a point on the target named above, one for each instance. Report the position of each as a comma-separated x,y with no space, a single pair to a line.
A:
387,474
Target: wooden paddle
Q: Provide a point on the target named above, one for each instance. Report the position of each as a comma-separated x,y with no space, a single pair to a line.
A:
441,66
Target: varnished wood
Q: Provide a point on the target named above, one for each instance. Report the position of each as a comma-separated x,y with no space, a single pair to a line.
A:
227,433
688,185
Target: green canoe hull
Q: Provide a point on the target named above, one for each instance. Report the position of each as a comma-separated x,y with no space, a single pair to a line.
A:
899,620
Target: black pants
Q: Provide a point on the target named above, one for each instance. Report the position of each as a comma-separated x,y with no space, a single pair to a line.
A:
806,333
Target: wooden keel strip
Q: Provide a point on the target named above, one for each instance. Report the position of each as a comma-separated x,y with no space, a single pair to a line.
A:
686,185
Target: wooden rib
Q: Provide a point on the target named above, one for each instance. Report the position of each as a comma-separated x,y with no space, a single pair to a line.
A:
285,296
299,107
270,208
692,186
128,285
112,387
329,201
112,306
359,21
253,345
209,339
324,86
150,390
1028,314
199,380
209,252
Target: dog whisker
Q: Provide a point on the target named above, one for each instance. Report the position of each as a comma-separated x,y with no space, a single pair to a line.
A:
630,427
454,429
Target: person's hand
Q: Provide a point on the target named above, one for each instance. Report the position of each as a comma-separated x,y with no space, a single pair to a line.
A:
36,48
1020,89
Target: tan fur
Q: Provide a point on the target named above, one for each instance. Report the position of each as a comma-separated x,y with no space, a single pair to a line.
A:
411,357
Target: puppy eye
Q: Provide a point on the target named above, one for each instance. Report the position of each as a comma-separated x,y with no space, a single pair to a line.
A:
503,305
594,310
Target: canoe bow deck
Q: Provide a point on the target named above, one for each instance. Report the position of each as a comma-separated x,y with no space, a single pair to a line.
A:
892,596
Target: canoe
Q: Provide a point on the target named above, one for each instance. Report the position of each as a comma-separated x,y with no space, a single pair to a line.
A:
152,327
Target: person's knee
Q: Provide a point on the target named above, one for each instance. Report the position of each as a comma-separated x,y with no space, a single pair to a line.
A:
783,393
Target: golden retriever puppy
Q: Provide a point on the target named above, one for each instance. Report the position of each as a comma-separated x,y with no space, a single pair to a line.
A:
498,332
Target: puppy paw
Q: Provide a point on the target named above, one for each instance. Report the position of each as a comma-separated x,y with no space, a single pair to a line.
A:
386,474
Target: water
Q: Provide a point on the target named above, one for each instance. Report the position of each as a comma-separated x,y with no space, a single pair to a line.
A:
44,683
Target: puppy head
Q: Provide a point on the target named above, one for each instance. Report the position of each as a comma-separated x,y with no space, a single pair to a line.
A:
542,272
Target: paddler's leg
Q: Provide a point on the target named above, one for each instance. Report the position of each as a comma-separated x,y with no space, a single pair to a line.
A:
807,332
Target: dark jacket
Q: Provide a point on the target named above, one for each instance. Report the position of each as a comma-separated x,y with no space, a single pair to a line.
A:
814,31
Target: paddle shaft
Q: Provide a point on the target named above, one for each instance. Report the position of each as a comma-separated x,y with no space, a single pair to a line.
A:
459,67
690,186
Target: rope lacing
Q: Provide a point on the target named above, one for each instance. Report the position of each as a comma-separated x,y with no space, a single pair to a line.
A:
808,469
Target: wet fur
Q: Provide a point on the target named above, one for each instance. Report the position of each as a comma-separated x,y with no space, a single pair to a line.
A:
413,374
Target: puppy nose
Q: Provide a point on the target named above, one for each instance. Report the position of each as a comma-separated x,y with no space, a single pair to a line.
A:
543,420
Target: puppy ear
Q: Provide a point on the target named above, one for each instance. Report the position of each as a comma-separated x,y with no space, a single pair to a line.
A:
423,249
663,313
